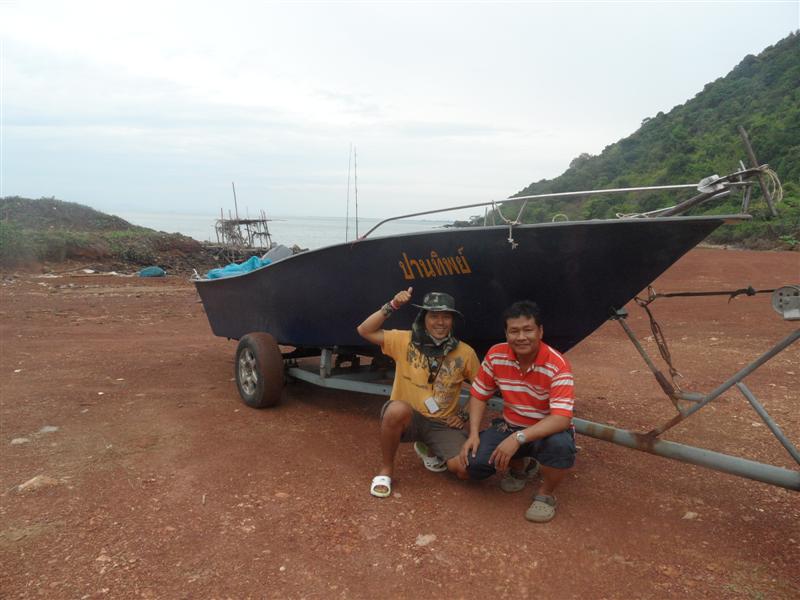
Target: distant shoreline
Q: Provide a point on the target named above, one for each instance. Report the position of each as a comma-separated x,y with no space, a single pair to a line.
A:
306,231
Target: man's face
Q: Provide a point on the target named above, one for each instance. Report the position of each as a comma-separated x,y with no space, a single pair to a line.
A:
523,335
438,324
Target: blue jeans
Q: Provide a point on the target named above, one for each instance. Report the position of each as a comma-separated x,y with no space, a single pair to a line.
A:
557,450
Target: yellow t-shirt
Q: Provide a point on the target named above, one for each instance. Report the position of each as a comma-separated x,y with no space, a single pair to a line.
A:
411,375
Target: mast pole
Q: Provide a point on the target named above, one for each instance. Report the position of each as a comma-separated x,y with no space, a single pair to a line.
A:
355,171
235,204
347,209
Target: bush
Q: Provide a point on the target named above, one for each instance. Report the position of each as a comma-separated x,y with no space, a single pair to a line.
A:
15,247
58,245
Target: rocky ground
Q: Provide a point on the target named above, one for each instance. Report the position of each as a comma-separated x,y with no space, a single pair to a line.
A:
130,469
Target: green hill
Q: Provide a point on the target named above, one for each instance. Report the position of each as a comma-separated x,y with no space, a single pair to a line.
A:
49,213
695,140
50,230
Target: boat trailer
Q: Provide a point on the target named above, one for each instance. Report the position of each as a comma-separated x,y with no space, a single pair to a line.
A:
344,372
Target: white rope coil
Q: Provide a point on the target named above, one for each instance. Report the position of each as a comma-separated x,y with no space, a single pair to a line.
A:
774,186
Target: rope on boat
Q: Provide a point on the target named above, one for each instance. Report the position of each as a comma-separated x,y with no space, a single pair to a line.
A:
773,184
658,333
510,223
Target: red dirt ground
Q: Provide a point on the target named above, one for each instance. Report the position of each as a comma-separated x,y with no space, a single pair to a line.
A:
160,483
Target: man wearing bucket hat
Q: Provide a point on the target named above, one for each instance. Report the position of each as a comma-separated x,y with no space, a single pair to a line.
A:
431,364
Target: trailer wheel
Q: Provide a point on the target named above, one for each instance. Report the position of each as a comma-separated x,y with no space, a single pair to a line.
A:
259,370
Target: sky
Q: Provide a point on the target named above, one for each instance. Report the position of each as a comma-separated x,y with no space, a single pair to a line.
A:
160,106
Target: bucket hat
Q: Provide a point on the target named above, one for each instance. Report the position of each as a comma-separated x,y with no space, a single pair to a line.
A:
438,302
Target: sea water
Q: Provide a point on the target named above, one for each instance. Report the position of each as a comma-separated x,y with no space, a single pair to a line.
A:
306,232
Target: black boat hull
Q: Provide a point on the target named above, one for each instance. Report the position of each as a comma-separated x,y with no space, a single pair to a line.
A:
578,272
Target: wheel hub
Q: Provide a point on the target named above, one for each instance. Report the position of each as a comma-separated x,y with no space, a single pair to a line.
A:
248,373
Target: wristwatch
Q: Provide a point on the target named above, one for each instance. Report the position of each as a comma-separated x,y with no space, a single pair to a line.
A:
520,435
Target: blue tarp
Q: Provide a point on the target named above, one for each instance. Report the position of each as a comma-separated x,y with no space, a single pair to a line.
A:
251,264
152,272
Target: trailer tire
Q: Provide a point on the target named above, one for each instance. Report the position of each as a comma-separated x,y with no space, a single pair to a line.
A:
259,370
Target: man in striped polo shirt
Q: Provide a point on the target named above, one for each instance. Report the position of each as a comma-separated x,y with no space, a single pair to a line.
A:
536,384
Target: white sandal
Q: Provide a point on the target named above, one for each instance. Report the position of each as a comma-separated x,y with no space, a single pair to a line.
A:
381,486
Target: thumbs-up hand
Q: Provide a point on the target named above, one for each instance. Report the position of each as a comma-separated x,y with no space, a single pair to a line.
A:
402,297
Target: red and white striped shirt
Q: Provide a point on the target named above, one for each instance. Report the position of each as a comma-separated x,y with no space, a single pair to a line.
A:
545,389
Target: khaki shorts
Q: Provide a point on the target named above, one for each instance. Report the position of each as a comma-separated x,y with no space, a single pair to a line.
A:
444,441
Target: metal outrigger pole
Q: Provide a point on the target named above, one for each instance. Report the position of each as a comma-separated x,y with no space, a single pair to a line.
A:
786,301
